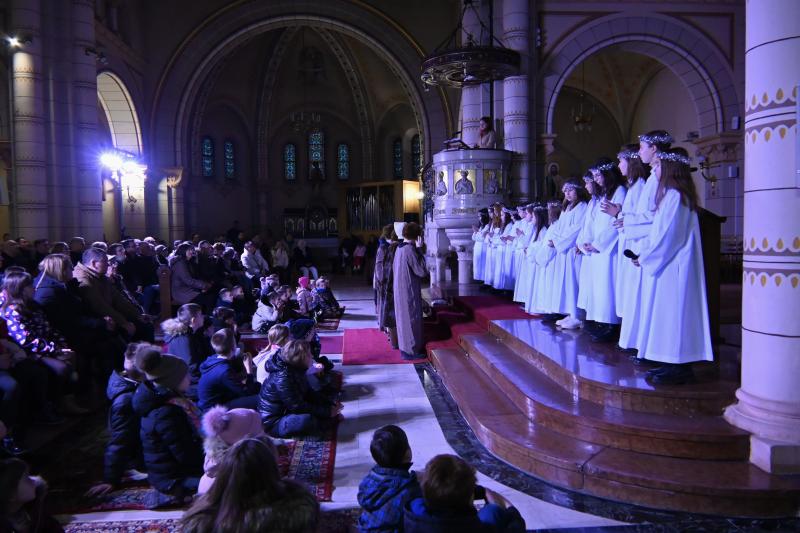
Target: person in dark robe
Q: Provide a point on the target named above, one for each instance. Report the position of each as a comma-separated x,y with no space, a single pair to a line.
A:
409,270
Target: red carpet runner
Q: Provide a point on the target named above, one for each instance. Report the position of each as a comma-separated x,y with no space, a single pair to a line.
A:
369,346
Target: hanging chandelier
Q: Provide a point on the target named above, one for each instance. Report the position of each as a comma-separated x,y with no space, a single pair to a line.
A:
303,121
473,62
582,121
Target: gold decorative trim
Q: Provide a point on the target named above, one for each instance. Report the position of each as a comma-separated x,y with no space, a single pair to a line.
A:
766,132
765,101
763,278
781,245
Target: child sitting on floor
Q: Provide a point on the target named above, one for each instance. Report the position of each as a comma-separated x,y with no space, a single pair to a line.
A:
268,313
278,336
287,404
223,379
123,457
222,429
304,329
325,300
390,485
306,306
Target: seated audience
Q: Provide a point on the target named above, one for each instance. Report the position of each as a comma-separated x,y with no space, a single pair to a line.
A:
287,404
224,317
390,485
278,335
170,432
280,260
305,329
303,260
223,378
104,300
305,298
326,302
123,457
223,428
77,245
184,337
449,488
268,313
253,262
249,495
186,285
22,500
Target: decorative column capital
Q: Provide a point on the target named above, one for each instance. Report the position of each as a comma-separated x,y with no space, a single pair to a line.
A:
173,176
546,143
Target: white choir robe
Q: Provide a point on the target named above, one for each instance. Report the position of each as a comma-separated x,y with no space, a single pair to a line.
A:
636,228
479,252
625,267
674,325
538,301
563,293
520,244
602,305
489,246
525,271
502,259
586,235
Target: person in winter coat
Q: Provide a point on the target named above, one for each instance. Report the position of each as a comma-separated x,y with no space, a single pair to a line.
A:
448,491
287,404
268,313
249,495
123,457
186,285
223,379
278,336
170,432
306,306
222,428
184,337
324,300
390,485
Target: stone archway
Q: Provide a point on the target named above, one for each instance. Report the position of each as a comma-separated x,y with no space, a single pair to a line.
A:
690,55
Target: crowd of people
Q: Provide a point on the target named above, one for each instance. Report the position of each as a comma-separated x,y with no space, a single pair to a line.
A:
620,256
189,409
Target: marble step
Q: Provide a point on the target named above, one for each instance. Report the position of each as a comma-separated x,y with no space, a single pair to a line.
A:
603,375
545,403
730,488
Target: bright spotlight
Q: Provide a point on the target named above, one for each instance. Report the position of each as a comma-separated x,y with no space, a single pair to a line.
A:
111,161
13,42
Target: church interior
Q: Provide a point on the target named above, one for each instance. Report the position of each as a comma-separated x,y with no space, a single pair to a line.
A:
190,177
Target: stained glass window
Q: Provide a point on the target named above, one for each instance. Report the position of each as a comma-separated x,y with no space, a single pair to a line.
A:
208,157
397,158
416,155
316,150
290,161
230,160
343,161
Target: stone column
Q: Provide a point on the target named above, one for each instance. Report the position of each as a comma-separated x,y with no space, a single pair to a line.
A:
84,86
31,218
516,34
769,396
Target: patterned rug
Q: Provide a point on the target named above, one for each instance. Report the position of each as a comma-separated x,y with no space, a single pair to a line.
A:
328,324
78,462
341,521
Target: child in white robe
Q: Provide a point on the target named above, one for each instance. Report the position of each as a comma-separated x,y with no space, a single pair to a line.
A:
491,242
584,236
674,325
479,233
524,273
503,248
543,264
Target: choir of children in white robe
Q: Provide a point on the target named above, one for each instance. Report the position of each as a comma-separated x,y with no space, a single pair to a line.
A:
572,268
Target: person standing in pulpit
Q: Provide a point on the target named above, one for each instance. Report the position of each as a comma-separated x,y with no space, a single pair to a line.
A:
486,137
464,185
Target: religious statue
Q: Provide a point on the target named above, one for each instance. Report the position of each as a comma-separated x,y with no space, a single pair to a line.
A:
441,186
463,185
491,185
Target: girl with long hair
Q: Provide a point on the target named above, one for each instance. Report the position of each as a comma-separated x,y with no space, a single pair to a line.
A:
479,232
543,257
673,328
537,214
491,240
501,242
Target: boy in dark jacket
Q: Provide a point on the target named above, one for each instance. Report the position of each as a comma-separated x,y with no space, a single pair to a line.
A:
390,485
223,380
123,457
185,338
170,433
287,404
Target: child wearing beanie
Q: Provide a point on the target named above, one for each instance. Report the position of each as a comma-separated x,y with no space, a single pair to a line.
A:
306,305
222,429
170,431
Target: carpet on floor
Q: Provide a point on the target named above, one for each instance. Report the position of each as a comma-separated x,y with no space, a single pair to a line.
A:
339,521
484,309
331,344
370,346
78,463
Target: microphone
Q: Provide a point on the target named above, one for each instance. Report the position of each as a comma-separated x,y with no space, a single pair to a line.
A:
630,255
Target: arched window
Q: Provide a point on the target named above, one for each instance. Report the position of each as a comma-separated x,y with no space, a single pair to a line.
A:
316,151
343,161
290,161
230,160
416,155
208,157
397,158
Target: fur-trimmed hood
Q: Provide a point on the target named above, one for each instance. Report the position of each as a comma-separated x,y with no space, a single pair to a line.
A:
173,327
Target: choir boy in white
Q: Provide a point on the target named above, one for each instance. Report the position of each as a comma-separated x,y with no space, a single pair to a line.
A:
621,257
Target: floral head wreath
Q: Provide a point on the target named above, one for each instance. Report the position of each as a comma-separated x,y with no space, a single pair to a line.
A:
554,203
571,186
664,138
509,211
628,154
541,207
602,168
674,156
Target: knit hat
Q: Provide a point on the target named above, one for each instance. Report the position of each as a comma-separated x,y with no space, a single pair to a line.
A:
162,369
300,327
303,281
398,229
232,425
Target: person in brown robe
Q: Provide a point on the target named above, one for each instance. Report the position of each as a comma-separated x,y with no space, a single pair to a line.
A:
381,273
408,271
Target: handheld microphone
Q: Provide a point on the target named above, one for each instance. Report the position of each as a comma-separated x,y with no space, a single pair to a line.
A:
630,255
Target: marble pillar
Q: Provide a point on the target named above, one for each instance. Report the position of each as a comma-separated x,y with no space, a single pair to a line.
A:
84,124
516,109
769,397
30,192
